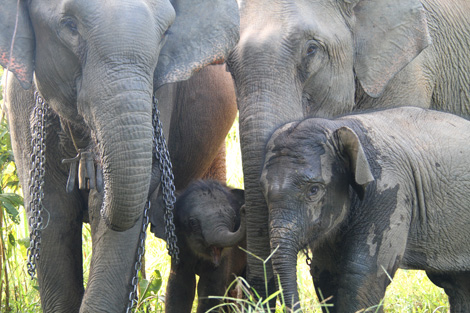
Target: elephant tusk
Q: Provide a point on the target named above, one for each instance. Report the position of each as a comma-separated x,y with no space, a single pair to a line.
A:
72,175
89,177
82,174
72,172
90,169
99,179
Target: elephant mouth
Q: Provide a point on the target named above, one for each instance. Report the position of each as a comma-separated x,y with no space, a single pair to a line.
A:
216,255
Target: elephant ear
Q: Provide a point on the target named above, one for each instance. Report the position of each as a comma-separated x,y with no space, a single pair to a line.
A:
17,40
238,197
388,34
203,33
352,151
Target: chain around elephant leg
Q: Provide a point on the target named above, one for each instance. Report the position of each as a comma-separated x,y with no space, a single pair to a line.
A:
167,179
37,173
168,189
138,263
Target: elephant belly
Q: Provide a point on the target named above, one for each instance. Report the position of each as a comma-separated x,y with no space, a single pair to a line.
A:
450,259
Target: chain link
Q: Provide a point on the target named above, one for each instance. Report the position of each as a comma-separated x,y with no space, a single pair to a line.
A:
37,174
168,189
308,259
167,179
138,263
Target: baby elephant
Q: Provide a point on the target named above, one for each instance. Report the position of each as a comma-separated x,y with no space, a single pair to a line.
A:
209,227
370,193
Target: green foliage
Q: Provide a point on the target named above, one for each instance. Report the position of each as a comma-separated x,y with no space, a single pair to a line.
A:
17,292
9,199
148,291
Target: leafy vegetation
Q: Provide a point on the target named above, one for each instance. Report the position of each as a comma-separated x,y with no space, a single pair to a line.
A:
410,291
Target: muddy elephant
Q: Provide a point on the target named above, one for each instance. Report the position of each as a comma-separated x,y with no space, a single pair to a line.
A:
96,66
298,58
370,193
210,228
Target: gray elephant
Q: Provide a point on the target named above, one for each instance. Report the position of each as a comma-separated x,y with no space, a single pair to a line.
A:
210,227
298,58
97,65
370,193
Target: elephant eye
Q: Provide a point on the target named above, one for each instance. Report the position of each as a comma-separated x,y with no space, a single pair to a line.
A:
194,225
311,48
70,24
314,191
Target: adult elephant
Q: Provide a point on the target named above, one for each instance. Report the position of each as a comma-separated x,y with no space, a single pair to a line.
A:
97,65
298,58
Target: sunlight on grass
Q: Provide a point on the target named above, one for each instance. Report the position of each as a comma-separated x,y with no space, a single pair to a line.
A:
234,158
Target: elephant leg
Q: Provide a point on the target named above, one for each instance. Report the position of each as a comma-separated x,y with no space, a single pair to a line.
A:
218,168
361,286
205,108
112,263
325,274
364,278
59,268
457,287
60,273
361,272
181,288
211,283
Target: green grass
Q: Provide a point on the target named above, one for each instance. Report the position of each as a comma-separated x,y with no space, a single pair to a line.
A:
410,291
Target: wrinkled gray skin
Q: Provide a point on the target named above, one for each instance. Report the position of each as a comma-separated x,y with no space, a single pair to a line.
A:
210,228
299,58
370,193
95,63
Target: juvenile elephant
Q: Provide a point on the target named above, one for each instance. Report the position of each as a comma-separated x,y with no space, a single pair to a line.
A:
369,193
96,65
210,227
299,58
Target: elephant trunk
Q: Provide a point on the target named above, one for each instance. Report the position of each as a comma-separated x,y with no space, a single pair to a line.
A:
126,148
115,98
285,266
122,125
225,238
262,110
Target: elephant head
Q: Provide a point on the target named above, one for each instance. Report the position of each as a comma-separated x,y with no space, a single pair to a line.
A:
308,169
208,218
97,64
301,58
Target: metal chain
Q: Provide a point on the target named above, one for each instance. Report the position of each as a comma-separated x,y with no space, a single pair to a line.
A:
167,179
168,189
308,260
37,174
138,263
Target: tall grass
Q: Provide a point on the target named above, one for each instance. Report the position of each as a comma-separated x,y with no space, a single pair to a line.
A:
410,291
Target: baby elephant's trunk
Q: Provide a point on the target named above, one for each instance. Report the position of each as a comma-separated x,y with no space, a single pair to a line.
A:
226,238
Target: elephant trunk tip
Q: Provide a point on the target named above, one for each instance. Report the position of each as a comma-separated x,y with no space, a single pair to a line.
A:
226,238
119,224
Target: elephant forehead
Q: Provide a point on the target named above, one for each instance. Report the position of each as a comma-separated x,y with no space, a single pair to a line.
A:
297,153
264,21
285,169
205,197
